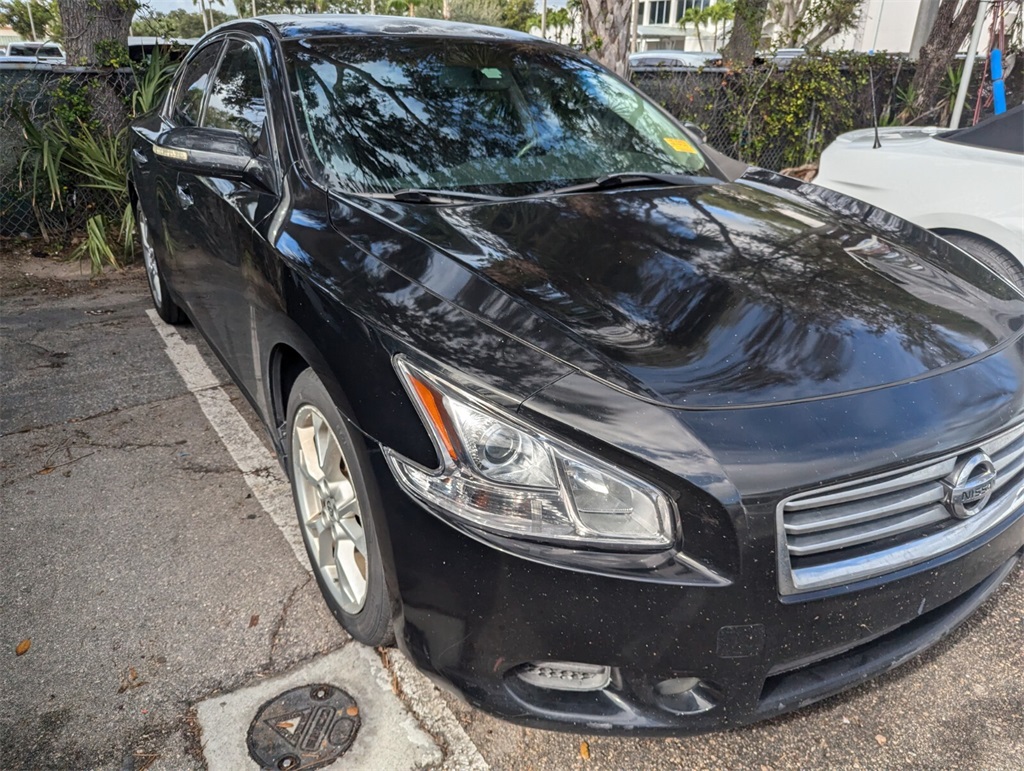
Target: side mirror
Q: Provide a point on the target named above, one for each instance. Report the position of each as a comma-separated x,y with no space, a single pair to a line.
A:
697,131
211,152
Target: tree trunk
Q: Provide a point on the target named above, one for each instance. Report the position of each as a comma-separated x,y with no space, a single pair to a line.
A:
746,32
606,25
948,34
95,33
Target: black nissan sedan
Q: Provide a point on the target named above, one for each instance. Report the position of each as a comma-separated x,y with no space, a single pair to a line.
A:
606,433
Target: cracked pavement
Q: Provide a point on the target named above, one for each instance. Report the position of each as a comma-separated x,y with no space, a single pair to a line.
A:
136,559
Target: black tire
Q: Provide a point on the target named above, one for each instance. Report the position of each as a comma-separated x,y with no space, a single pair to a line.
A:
371,623
166,308
993,257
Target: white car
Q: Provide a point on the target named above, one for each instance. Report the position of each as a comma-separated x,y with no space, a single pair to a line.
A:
966,185
675,61
42,52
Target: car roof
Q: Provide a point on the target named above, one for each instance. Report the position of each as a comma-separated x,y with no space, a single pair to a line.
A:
332,24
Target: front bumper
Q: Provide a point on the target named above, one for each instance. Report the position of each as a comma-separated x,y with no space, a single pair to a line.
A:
472,616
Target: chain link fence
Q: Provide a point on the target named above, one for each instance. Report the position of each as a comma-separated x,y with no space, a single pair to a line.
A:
766,116
778,117
36,93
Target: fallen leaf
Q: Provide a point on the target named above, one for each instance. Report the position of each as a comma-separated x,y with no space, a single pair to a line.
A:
254,619
352,711
584,750
130,679
396,687
880,739
45,470
23,647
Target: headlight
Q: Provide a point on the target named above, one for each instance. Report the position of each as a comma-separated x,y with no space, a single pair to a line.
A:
502,475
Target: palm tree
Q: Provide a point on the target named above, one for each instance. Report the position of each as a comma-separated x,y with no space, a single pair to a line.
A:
720,13
695,16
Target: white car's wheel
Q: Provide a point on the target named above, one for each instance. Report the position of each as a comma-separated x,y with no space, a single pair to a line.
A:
991,256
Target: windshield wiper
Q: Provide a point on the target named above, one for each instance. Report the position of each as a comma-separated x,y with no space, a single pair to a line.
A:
632,178
423,195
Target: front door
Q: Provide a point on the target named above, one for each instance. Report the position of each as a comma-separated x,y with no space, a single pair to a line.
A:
225,214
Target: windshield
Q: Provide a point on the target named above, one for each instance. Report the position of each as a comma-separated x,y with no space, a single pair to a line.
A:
381,114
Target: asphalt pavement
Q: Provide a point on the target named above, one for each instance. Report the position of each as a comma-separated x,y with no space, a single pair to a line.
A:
145,560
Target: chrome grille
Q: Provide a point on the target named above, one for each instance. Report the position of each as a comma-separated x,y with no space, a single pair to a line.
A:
857,530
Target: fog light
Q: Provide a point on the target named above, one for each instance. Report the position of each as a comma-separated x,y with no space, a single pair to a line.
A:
676,686
565,675
686,695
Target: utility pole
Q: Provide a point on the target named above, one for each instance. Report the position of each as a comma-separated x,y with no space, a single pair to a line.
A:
972,53
31,21
253,7
544,19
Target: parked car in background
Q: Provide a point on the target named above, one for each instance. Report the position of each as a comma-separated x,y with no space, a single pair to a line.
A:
966,185
609,439
673,61
781,57
44,52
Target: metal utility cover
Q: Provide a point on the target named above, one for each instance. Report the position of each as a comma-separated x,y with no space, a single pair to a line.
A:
305,727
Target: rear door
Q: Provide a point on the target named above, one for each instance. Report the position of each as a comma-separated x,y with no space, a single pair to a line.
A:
174,228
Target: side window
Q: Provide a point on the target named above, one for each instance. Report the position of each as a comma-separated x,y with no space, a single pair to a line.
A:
237,99
188,100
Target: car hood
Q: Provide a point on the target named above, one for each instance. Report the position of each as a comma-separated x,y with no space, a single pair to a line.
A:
891,137
764,290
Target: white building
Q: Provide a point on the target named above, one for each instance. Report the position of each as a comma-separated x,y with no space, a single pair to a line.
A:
884,25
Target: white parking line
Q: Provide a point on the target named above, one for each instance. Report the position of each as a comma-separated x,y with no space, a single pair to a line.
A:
259,468
270,487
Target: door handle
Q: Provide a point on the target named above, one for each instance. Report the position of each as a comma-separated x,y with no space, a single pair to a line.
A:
184,196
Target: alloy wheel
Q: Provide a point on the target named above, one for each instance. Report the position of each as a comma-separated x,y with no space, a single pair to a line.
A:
149,256
329,508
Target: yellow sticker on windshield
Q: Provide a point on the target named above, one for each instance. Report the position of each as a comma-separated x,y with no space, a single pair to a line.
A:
680,145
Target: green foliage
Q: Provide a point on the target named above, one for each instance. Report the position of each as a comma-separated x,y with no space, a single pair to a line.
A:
71,102
178,23
810,23
14,14
477,11
517,14
717,15
784,117
112,53
69,151
151,82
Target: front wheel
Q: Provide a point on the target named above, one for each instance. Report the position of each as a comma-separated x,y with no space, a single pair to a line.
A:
166,308
335,495
991,256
